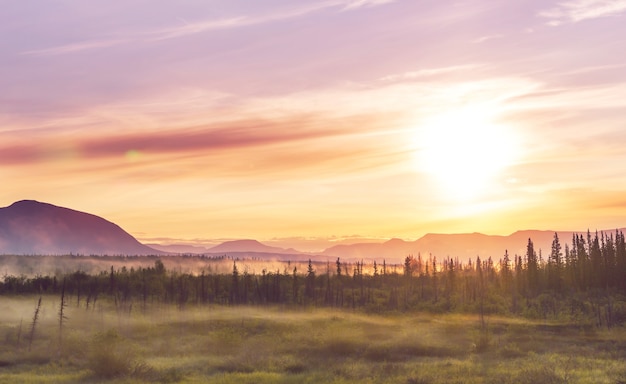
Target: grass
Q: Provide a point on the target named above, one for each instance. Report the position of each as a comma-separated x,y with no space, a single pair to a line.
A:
270,345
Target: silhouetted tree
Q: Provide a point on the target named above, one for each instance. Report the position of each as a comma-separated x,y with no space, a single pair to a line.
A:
310,282
555,265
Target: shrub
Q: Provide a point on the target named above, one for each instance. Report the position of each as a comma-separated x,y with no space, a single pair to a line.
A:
111,356
418,380
483,343
511,351
544,375
295,368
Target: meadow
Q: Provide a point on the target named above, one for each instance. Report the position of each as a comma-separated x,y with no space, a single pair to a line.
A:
225,320
275,344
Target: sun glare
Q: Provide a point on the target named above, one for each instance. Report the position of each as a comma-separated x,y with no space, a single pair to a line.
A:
465,150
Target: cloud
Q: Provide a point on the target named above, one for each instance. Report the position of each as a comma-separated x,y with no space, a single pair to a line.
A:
244,21
296,147
197,27
209,25
75,47
482,39
429,72
239,135
194,121
354,4
580,10
594,68
574,98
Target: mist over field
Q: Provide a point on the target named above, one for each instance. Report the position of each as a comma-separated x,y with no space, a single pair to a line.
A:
42,265
336,191
255,313
273,345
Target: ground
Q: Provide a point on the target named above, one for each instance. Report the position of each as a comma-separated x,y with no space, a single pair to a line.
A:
163,343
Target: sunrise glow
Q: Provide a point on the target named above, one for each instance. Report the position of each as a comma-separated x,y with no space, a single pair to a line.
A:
306,123
465,151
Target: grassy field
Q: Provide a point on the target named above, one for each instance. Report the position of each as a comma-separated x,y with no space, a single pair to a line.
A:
260,345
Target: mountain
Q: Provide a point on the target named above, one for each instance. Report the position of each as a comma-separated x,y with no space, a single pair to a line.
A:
249,246
179,248
464,246
31,227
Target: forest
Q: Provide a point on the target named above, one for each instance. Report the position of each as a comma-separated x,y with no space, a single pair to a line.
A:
584,281
553,318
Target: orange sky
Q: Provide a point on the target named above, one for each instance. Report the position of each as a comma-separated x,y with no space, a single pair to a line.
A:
310,123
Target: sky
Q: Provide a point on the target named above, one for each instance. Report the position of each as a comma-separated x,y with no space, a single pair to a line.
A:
310,123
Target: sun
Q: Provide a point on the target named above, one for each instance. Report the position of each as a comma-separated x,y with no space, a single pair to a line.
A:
465,150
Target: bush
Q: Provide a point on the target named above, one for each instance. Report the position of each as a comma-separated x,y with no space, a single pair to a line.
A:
111,356
511,351
418,380
544,375
483,342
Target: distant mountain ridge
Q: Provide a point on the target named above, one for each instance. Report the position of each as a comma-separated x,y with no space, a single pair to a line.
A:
182,249
32,227
249,246
227,247
463,246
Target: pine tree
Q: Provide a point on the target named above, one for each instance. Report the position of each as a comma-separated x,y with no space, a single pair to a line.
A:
310,281
33,325
234,289
595,258
555,263
294,287
505,270
620,259
409,263
532,267
62,317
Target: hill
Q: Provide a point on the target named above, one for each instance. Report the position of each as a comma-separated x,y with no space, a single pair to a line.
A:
248,246
31,227
464,246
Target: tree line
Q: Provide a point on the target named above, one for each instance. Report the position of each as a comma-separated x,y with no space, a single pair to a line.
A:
585,279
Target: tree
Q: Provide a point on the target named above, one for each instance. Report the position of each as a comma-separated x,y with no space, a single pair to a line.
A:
409,265
338,265
234,288
620,258
309,288
481,292
555,263
34,324
505,270
62,317
595,258
294,287
532,265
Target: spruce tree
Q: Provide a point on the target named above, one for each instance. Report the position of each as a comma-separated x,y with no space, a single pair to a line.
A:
556,264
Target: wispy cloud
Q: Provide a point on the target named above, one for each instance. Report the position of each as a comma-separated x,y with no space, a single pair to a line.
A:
196,27
241,135
579,10
75,47
574,98
594,68
354,4
191,28
428,72
244,21
482,39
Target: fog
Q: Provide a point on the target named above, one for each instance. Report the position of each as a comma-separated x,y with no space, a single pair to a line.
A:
30,266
